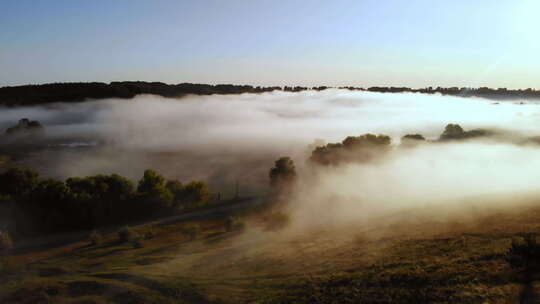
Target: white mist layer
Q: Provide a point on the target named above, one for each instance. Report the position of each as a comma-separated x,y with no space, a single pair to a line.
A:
224,138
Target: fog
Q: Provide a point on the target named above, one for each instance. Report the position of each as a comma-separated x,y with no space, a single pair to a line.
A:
221,139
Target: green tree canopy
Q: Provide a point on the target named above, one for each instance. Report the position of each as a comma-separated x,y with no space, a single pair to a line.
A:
152,188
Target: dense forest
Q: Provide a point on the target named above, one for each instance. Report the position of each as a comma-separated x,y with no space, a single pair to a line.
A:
73,92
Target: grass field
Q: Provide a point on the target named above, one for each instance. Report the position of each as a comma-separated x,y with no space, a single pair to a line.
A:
422,260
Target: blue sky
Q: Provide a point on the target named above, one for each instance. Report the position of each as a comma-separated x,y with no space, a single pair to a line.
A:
361,43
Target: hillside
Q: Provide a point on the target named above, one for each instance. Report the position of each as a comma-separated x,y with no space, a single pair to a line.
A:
422,260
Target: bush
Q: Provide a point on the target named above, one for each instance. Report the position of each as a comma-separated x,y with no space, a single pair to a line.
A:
277,221
95,238
5,241
127,234
234,224
524,254
192,230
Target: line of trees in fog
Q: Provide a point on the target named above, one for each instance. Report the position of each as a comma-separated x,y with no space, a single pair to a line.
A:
73,92
484,92
369,147
31,205
361,148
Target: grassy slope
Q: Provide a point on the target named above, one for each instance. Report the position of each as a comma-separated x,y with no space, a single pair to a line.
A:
453,262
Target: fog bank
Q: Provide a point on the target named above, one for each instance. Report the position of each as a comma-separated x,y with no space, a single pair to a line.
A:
222,139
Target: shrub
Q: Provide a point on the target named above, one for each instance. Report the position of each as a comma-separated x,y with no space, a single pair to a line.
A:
5,241
127,234
192,230
95,238
277,221
524,254
234,224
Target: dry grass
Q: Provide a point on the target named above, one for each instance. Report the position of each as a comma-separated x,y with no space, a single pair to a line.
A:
453,262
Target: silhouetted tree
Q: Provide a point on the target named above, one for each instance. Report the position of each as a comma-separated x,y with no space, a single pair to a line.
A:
411,140
283,175
361,148
455,131
18,181
177,190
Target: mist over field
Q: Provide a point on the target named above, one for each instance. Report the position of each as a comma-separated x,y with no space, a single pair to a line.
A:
222,139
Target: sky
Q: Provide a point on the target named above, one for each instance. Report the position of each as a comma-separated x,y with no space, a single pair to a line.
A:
415,43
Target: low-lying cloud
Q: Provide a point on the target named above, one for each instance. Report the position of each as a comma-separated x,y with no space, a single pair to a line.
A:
222,139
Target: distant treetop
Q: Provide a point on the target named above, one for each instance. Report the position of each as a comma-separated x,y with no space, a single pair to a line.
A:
25,125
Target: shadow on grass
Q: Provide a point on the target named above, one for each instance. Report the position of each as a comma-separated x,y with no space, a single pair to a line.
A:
185,292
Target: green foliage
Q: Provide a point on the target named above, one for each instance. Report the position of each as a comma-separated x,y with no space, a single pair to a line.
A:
39,206
177,190
363,148
126,234
153,190
96,239
6,243
234,224
191,230
277,221
195,194
283,174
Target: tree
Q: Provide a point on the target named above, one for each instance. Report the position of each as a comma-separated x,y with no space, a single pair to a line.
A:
153,190
17,181
283,175
361,148
455,131
452,131
195,194
177,190
411,140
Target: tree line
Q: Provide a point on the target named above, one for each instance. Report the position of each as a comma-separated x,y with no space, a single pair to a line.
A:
80,91
30,205
483,92
369,147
